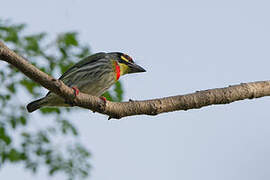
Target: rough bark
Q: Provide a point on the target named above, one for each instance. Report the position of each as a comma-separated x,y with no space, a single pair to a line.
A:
118,110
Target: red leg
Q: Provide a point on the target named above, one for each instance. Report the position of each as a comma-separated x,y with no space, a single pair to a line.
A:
76,90
103,99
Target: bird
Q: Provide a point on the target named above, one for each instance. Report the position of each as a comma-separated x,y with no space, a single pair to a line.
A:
92,75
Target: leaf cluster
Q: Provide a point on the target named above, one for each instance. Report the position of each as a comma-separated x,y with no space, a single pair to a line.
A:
20,139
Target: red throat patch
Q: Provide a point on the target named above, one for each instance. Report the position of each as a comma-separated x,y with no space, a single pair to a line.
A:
117,70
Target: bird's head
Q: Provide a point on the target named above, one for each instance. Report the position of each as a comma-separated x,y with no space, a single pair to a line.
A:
126,64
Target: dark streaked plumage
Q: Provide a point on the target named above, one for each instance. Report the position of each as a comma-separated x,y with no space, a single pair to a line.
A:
92,75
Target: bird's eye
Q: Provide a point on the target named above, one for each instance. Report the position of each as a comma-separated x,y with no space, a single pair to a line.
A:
126,58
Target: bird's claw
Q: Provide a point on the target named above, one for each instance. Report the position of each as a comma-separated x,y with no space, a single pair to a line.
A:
103,99
76,90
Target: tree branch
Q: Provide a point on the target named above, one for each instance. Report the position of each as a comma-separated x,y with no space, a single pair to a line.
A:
149,107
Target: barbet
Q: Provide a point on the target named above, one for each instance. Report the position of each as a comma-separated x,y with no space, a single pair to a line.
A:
93,75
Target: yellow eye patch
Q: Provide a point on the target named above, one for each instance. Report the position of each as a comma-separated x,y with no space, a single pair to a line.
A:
125,59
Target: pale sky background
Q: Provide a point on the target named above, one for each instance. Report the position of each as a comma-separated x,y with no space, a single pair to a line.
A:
185,46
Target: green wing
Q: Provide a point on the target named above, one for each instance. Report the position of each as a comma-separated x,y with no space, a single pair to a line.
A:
89,59
84,61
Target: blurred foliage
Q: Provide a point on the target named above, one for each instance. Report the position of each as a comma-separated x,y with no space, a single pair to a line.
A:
20,140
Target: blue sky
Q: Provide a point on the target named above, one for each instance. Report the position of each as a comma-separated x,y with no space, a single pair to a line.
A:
185,46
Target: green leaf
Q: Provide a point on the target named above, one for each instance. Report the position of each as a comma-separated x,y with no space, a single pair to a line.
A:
116,95
11,88
25,134
12,36
64,66
23,120
10,33
108,96
69,39
7,97
63,52
14,155
32,165
68,127
42,137
84,51
119,91
4,137
49,110
53,170
13,122
28,84
32,43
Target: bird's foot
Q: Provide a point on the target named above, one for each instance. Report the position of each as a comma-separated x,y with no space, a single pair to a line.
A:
103,99
76,90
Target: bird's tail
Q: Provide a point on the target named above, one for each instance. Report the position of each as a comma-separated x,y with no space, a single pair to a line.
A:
36,104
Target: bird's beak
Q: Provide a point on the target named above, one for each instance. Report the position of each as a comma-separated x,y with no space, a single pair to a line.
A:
134,68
